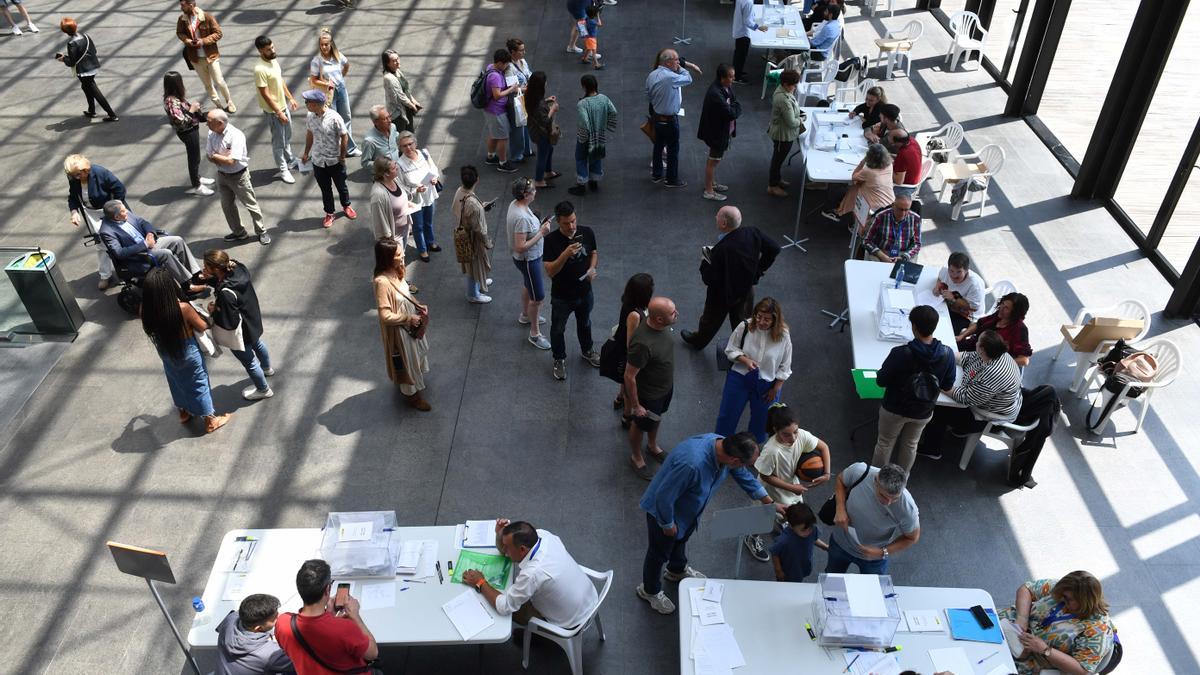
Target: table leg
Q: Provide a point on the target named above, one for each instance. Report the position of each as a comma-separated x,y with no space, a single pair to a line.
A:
891,62
844,317
795,239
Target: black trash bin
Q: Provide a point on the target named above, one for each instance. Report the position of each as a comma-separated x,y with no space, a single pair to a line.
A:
45,293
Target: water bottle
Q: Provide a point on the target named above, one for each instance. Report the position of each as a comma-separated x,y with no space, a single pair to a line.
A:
899,274
202,618
197,604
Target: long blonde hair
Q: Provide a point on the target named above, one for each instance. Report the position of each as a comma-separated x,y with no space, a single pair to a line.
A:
326,31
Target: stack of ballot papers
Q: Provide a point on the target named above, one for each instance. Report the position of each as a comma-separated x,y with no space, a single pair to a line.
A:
924,620
714,649
417,559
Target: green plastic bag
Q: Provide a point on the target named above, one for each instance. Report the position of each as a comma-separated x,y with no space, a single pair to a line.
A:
495,568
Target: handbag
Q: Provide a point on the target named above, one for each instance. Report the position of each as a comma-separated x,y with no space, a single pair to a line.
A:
612,362
186,59
464,253
438,185
417,332
205,339
723,362
369,668
648,129
555,133
230,339
829,509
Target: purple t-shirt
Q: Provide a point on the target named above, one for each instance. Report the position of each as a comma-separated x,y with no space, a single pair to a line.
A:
495,80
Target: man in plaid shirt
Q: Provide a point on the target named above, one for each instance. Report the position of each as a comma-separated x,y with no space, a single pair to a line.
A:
896,233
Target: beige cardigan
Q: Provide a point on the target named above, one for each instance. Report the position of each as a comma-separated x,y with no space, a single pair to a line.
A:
393,317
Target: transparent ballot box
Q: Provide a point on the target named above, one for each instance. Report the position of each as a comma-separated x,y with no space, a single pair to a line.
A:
855,610
360,543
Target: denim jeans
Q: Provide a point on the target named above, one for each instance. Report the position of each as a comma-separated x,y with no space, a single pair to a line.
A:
341,104
255,360
545,152
840,561
586,170
662,549
327,177
518,142
740,390
281,140
666,135
560,309
422,228
472,287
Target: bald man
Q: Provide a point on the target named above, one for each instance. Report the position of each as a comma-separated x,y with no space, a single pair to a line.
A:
650,380
226,147
732,267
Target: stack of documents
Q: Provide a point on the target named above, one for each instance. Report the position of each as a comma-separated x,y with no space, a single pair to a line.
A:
872,663
923,620
468,615
714,649
479,534
417,558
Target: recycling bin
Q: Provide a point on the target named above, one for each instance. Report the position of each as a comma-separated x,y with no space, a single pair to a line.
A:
45,293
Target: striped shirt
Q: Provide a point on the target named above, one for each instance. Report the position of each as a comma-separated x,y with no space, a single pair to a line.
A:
993,387
886,232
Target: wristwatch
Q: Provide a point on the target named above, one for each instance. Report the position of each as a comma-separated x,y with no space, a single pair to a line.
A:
479,584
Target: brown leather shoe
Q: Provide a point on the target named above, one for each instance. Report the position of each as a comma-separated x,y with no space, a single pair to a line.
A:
214,422
415,401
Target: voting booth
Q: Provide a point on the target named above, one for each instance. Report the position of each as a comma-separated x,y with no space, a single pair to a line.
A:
855,610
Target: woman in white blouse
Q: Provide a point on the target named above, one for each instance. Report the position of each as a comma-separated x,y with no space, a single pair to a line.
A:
422,180
760,349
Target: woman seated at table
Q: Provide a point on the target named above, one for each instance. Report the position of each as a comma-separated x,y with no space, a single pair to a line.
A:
869,108
1063,624
1009,321
872,179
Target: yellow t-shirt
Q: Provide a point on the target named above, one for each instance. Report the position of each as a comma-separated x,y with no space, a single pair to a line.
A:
267,74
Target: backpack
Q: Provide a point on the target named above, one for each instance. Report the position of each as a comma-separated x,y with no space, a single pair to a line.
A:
130,299
479,90
1042,404
855,66
1121,366
922,387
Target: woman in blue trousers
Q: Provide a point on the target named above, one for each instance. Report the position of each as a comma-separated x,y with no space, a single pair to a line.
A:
760,350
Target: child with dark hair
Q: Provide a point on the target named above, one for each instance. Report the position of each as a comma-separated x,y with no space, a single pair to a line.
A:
591,31
246,641
793,550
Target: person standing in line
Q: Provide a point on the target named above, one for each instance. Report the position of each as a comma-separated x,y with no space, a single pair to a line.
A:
423,180
495,112
650,381
89,187
325,142
543,130
382,139
570,259
185,117
787,123
234,304
676,499
471,214
882,513
172,325
402,321
597,119
525,237
277,103
743,23
578,11
199,32
20,5
760,349
390,208
397,93
730,270
664,90
718,124
81,57
518,122
226,147
635,301
327,72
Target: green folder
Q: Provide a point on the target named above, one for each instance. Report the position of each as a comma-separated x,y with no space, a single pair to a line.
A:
495,568
864,384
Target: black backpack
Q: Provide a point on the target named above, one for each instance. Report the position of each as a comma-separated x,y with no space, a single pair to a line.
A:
479,90
922,387
855,66
130,299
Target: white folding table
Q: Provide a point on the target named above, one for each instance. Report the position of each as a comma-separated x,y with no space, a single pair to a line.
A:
822,162
768,617
776,19
415,619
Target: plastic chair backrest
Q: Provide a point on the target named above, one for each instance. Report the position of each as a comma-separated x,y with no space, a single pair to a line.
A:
992,295
913,31
1166,353
926,167
864,384
992,156
962,24
607,579
952,135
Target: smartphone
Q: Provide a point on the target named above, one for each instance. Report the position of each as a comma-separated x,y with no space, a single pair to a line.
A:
339,600
982,617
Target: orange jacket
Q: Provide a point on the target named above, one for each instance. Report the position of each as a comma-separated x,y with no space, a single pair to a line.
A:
209,31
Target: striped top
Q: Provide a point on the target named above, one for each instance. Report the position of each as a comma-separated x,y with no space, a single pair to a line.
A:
992,387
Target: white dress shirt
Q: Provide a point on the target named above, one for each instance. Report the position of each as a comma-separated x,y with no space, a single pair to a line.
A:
230,142
551,578
774,359
743,19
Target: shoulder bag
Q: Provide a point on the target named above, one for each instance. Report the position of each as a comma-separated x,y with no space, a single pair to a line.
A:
464,253
210,347
723,362
417,332
230,339
438,185
369,668
829,509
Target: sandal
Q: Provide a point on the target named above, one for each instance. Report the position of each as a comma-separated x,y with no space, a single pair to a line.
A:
184,416
551,175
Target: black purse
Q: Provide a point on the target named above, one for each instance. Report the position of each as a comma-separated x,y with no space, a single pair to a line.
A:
829,508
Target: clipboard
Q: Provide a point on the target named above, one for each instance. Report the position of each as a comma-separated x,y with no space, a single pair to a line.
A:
488,525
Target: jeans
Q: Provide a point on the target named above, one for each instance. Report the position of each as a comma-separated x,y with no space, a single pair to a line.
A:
518,142
560,309
341,104
472,287
666,135
778,154
545,152
662,549
191,140
840,561
741,49
740,390
422,228
281,140
94,96
585,169
255,360
327,177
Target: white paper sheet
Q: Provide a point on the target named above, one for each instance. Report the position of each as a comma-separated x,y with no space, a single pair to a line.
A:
480,534
872,663
711,613
999,670
377,595
695,594
410,555
358,531
720,645
923,620
865,595
925,296
706,665
713,591
953,659
235,588
467,615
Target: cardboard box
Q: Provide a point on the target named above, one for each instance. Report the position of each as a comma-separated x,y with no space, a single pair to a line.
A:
1100,329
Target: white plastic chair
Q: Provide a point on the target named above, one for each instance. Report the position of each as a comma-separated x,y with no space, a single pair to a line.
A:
1126,309
795,62
1009,433
872,6
825,73
963,25
926,171
571,639
897,45
853,95
986,164
952,136
993,293
1170,362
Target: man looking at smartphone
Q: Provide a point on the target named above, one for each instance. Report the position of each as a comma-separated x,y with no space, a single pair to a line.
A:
570,259
321,637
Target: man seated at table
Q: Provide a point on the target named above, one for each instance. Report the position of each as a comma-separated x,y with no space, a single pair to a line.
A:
549,584
895,234
990,384
906,164
128,237
889,123
336,638
874,503
245,645
962,291
822,39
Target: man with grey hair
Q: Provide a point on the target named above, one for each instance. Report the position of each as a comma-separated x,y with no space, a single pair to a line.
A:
730,268
128,237
380,141
876,517
895,233
664,87
226,147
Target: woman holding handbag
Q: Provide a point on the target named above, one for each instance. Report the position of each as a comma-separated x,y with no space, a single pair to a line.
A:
237,320
402,323
185,118
471,216
172,325
635,301
543,130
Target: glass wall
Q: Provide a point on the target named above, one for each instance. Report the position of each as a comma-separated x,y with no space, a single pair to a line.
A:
1183,230
1007,18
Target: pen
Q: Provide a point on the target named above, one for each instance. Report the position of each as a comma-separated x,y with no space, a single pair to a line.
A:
404,589
413,581
238,559
438,565
890,595
986,658
851,663
811,634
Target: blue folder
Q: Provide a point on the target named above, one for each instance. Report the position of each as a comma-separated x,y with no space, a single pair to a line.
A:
963,626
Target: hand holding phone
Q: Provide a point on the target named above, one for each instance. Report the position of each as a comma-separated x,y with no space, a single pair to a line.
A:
341,598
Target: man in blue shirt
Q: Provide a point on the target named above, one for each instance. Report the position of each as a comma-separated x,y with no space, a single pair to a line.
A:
676,498
743,23
822,39
664,87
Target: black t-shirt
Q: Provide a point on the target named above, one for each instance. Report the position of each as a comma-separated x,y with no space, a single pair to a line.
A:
870,115
566,283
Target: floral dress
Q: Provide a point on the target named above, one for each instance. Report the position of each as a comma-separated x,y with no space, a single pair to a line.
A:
1085,640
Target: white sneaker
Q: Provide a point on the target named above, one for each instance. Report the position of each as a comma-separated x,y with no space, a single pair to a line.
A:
15,30
354,153
269,372
570,50
252,393
524,320
206,181
714,196
30,27
539,341
480,299
287,177
203,191
688,571
659,603
610,2
489,281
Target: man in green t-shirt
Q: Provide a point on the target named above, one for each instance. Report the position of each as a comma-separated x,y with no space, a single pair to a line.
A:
650,380
276,102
